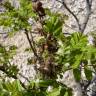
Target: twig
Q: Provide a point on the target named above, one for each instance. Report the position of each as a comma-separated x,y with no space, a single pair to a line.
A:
70,27
40,60
32,40
88,7
3,32
77,20
34,51
24,77
2,68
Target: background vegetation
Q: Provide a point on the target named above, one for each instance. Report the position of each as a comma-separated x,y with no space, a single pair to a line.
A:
54,51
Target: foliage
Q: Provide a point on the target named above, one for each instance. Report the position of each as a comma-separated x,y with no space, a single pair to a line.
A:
34,89
57,52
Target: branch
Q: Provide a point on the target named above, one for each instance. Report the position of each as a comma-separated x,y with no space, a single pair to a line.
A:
88,7
32,40
3,32
40,60
34,51
24,77
70,27
77,20
3,69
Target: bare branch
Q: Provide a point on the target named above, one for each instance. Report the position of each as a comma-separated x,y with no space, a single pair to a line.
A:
88,9
40,60
68,9
24,77
3,69
3,32
32,39
70,27
34,51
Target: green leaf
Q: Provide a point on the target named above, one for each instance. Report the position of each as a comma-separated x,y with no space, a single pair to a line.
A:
54,25
77,61
70,92
46,83
77,74
55,92
13,47
78,40
88,73
62,91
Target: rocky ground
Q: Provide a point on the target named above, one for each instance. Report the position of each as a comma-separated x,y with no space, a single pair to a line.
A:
20,59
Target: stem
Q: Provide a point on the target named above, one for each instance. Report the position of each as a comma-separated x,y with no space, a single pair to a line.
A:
40,60
34,51
77,20
88,7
